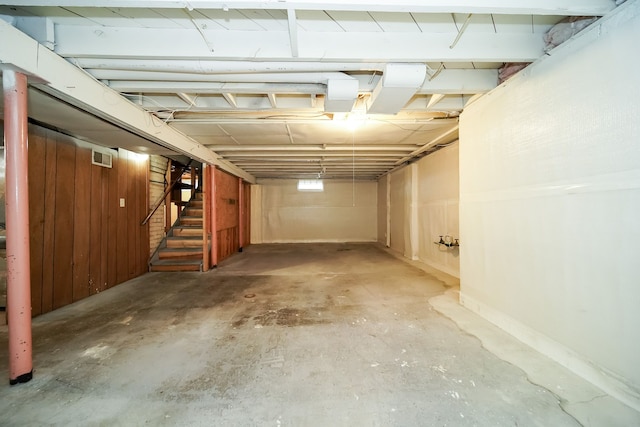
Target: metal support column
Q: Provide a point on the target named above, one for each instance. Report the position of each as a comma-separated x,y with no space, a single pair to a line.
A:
17,218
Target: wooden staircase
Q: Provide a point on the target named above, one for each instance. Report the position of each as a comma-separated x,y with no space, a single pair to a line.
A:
181,250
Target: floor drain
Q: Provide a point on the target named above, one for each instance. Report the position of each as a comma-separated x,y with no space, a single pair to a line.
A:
250,295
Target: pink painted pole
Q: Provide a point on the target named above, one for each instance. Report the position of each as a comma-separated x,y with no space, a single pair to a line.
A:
17,218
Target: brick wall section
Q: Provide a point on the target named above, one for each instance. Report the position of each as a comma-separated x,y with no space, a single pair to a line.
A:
157,168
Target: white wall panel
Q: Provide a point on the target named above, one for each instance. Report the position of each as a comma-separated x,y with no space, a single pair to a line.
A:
382,211
343,212
549,202
399,211
438,186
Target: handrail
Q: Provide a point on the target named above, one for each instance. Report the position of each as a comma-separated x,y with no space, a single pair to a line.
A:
166,193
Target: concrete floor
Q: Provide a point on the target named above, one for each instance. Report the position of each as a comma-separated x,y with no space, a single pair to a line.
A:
287,335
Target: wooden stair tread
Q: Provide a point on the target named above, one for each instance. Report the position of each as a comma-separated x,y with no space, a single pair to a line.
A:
182,250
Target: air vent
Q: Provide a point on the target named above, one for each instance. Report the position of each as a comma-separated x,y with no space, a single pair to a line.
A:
101,159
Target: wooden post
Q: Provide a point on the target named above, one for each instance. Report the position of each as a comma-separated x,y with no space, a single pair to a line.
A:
17,217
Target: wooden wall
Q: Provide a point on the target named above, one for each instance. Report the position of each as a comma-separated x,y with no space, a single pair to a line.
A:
82,241
246,208
227,214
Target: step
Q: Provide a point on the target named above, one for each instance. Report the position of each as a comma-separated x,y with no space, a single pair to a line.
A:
195,204
173,265
184,242
185,230
180,253
192,211
191,220
198,195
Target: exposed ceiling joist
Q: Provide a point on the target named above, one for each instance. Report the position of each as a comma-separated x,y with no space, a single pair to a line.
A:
539,7
275,88
136,43
293,32
72,85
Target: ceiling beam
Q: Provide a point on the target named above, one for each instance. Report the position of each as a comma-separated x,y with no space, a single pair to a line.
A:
454,81
293,32
72,85
323,148
231,99
154,43
272,100
434,99
522,7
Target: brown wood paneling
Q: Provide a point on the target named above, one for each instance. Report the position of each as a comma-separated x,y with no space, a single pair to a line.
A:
226,200
112,225
227,242
49,217
63,246
95,260
227,214
142,181
247,214
82,224
132,227
121,237
37,150
82,242
104,226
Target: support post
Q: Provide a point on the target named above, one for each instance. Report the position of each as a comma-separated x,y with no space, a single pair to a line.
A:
240,214
17,218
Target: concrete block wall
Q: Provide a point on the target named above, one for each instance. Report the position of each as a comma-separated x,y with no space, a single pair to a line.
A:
549,202
157,172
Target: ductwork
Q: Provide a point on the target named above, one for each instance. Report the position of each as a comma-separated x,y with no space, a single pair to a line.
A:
221,67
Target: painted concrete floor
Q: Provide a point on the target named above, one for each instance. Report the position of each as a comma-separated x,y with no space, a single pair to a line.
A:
280,335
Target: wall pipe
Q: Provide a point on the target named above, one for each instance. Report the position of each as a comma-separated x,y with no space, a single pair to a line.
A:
17,217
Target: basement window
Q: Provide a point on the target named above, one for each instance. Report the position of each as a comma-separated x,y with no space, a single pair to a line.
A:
310,185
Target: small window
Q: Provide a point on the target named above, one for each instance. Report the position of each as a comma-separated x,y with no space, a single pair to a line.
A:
310,185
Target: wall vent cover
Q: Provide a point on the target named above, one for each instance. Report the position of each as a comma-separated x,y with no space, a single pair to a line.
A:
101,159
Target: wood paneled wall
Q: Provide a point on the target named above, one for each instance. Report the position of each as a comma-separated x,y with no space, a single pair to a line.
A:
82,241
227,214
246,208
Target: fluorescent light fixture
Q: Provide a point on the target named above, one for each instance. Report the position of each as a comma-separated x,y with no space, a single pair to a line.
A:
310,185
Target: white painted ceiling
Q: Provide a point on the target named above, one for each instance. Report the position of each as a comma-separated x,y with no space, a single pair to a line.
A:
292,88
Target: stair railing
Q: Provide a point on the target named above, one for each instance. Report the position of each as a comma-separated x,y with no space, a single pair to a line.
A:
166,193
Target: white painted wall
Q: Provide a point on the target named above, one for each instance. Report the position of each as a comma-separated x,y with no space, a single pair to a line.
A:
438,194
382,211
400,193
423,206
343,212
550,205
